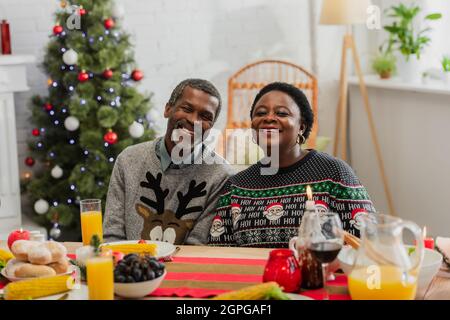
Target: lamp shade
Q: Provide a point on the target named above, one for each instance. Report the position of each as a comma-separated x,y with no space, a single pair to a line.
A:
344,11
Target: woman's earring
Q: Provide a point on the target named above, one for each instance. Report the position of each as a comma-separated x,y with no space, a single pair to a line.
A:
300,138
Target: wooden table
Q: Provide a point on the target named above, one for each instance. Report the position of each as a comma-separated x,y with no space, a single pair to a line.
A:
439,288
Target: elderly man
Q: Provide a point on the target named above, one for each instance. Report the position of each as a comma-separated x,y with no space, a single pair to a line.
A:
152,194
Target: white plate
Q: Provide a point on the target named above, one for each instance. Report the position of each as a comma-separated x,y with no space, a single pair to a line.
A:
13,278
163,249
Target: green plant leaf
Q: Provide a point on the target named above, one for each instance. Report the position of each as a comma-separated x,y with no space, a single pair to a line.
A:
433,16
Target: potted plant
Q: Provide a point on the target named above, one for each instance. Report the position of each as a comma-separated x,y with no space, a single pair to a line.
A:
446,68
384,64
407,39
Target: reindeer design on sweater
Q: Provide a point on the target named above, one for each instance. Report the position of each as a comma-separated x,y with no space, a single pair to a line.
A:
166,225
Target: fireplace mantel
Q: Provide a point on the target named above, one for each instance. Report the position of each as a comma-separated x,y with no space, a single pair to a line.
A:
12,80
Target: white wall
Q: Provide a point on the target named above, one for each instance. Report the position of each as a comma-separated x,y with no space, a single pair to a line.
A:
413,131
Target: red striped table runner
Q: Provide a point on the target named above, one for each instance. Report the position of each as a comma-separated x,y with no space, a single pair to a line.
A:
205,277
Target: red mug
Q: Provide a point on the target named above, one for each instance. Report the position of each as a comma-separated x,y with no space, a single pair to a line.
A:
283,268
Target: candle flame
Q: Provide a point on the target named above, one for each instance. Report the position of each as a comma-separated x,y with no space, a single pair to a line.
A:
309,192
424,232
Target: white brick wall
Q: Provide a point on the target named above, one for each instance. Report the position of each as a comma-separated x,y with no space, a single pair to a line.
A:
177,39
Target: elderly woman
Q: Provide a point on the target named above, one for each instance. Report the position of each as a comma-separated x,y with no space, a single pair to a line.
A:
259,210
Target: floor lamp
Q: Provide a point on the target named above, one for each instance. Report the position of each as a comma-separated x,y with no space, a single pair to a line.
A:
350,12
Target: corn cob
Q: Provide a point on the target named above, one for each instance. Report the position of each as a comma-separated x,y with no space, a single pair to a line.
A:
139,248
264,291
38,287
5,256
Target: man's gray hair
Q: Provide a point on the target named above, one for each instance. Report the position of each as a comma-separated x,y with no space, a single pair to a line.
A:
199,84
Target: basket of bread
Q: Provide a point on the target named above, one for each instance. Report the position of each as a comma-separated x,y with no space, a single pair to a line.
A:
33,259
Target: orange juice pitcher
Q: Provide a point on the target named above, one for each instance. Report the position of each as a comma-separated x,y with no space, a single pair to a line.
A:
384,268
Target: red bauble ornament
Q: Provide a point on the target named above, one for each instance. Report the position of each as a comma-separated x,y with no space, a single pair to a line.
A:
48,106
137,75
82,11
109,23
18,235
110,137
29,161
57,29
35,132
107,74
83,76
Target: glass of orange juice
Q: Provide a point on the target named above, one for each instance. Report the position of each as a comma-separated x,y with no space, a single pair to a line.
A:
100,276
91,219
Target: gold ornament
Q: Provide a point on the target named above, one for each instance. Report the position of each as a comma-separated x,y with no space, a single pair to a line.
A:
27,175
49,82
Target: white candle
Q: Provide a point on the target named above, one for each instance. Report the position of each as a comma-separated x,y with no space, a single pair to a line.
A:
310,204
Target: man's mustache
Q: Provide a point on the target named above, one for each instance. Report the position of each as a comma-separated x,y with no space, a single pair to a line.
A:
184,124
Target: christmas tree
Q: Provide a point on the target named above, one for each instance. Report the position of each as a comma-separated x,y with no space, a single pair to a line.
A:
91,113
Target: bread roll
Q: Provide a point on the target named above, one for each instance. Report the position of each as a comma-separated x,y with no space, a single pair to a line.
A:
60,267
40,255
57,250
20,248
28,270
12,265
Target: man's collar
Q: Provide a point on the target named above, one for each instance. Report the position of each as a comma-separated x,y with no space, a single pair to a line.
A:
163,155
166,159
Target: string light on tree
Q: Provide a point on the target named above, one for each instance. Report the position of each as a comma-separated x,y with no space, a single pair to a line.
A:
57,172
41,206
27,175
72,123
70,57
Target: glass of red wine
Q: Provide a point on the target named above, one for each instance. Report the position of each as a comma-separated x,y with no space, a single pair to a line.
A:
324,239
